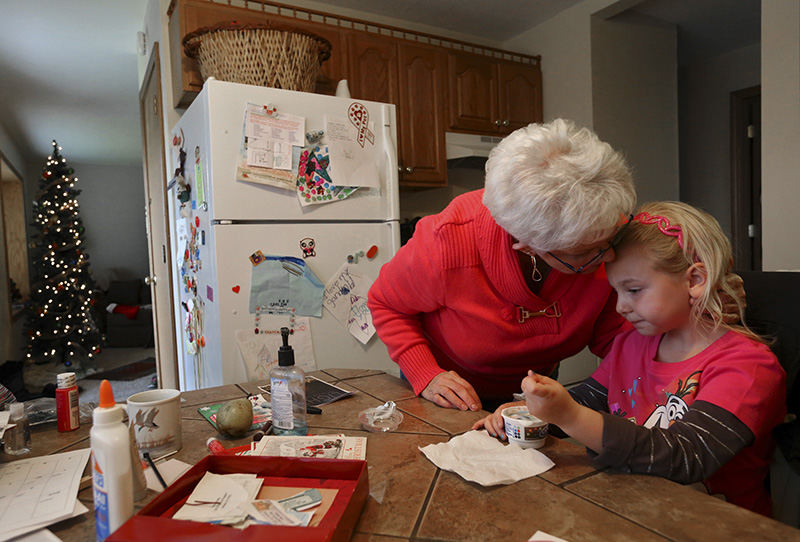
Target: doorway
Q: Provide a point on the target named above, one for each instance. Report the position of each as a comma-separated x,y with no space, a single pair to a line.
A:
746,178
156,220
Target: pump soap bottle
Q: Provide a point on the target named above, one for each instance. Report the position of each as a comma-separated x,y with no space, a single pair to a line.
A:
111,465
288,392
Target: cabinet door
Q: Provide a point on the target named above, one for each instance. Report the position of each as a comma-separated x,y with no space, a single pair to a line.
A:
372,63
421,115
520,95
473,93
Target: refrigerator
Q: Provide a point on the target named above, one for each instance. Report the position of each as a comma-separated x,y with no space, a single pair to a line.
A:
230,233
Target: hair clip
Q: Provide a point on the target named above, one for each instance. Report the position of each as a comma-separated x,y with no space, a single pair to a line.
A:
663,225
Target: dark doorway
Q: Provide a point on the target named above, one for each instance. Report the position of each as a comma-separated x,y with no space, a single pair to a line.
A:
746,178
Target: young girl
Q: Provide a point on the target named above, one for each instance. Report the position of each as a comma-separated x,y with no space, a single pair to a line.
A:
703,395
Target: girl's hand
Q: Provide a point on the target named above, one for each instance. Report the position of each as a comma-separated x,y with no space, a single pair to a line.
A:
494,422
547,399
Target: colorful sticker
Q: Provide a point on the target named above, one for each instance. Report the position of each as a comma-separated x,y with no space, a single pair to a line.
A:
307,245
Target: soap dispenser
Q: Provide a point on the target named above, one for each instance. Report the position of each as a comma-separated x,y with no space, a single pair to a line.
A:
288,392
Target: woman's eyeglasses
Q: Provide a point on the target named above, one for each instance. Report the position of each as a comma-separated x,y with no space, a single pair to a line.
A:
614,242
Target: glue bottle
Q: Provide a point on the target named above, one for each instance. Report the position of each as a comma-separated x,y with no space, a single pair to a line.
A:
111,465
288,392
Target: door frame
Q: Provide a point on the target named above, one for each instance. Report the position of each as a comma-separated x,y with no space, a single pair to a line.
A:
746,177
167,372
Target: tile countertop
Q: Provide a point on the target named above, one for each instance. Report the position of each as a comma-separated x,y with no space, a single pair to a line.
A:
411,499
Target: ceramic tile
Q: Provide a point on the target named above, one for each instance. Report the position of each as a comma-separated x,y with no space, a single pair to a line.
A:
516,511
343,414
46,439
383,387
677,511
252,387
365,537
196,433
344,374
394,504
211,396
449,420
571,460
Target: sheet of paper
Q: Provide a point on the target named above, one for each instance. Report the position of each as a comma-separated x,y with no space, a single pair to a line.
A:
39,490
345,297
220,498
36,532
327,446
280,284
541,536
170,470
260,352
351,163
269,138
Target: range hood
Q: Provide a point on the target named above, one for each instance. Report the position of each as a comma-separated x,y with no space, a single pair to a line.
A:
468,150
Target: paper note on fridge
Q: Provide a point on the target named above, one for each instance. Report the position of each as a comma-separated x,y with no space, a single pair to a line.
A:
270,137
352,163
284,283
346,299
260,351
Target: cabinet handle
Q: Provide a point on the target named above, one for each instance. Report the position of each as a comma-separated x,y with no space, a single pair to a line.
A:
497,122
400,169
409,170
150,280
506,122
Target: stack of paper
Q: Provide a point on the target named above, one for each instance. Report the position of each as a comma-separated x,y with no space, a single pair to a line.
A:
39,491
325,446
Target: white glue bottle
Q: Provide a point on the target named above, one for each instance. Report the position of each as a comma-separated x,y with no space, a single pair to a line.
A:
288,392
111,465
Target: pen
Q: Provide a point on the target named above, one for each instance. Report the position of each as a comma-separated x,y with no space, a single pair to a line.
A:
155,470
313,410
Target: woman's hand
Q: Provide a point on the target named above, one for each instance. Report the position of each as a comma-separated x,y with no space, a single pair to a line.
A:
494,422
449,390
547,399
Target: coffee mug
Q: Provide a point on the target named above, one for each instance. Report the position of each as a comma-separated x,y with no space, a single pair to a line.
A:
523,428
156,419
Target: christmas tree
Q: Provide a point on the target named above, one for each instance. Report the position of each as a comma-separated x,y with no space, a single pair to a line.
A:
61,322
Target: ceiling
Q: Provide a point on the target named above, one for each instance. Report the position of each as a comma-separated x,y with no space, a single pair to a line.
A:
68,70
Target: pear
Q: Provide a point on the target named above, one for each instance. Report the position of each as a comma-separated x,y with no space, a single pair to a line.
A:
235,417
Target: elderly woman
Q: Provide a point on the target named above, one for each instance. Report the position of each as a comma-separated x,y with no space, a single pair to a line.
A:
511,277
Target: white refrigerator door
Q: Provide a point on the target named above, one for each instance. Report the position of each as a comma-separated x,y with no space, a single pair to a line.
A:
332,344
236,200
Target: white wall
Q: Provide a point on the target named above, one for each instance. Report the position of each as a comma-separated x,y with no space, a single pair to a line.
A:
112,211
565,45
705,88
780,133
635,98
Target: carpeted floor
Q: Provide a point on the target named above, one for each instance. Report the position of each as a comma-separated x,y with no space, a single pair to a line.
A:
90,388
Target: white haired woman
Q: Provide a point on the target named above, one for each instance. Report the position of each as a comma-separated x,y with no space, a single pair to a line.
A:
511,277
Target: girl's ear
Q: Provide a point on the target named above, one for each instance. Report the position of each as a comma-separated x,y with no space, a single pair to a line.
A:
697,277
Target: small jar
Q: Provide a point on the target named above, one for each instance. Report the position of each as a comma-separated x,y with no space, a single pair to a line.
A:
17,439
67,408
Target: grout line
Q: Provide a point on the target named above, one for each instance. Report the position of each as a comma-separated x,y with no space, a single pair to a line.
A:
425,502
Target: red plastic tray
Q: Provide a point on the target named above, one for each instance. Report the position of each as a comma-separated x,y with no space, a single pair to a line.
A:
348,476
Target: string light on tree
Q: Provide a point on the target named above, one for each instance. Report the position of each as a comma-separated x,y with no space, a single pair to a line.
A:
61,323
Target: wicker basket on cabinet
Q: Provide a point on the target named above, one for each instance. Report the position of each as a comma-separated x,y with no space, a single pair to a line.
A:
258,54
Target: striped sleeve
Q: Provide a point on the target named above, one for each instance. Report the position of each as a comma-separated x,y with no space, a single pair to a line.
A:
6,396
690,450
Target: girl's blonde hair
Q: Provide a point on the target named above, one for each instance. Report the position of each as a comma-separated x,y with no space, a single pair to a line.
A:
677,236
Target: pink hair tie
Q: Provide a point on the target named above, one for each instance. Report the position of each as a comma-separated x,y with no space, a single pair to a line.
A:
663,225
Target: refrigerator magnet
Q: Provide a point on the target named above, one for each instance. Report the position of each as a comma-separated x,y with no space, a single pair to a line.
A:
372,252
210,293
307,245
257,257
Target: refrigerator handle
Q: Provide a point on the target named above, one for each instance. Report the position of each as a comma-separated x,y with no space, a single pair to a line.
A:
390,148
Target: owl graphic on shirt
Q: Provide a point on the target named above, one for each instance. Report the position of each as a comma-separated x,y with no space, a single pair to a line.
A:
677,403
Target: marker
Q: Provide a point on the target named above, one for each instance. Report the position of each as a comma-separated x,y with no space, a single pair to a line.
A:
155,470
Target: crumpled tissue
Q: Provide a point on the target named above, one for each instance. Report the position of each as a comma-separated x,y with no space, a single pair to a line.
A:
477,457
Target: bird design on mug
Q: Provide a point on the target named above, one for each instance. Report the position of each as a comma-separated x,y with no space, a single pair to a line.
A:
145,419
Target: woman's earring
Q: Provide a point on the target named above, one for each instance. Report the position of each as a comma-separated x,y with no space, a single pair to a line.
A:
536,275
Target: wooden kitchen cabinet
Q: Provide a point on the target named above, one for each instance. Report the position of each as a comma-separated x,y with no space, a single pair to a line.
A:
421,153
492,96
411,76
188,15
373,68
520,96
